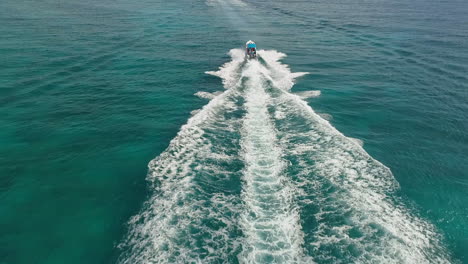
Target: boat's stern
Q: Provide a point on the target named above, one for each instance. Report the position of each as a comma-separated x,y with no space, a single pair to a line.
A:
250,49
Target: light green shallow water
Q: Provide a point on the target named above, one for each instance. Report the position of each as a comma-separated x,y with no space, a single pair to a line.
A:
90,93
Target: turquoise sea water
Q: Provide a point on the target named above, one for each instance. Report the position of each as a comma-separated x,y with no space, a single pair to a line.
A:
92,94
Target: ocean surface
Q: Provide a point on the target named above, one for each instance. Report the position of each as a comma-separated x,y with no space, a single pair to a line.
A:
137,132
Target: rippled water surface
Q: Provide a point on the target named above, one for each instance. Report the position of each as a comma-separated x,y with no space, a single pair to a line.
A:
137,132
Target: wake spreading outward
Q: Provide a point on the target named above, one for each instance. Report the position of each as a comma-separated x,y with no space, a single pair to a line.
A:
256,176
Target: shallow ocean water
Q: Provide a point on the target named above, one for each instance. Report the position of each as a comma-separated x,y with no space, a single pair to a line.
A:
90,93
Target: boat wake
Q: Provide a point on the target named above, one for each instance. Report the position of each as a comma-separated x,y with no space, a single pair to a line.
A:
256,176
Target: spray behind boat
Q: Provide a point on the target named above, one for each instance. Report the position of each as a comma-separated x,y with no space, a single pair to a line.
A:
250,49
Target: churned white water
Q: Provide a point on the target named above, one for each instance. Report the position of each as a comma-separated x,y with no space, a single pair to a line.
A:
307,193
270,221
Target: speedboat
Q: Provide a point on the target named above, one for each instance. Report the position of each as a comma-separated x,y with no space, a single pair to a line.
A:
250,49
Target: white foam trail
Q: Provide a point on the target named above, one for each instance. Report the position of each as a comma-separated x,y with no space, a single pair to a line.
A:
357,141
229,71
308,94
348,184
362,187
281,75
271,221
325,116
357,218
171,224
194,112
207,95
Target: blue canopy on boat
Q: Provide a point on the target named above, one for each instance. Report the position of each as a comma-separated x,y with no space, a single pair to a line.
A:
251,45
